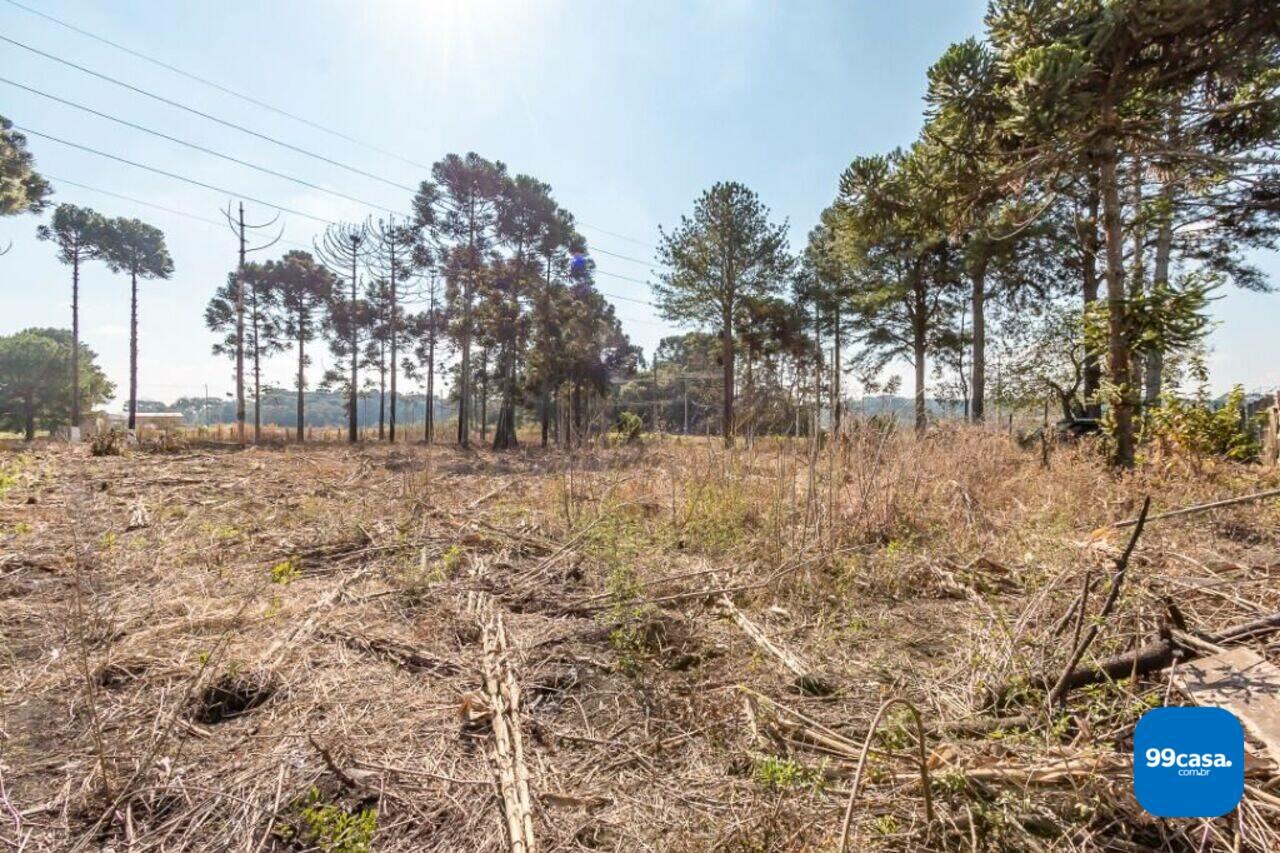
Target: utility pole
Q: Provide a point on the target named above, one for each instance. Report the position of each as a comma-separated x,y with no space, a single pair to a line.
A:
240,229
655,391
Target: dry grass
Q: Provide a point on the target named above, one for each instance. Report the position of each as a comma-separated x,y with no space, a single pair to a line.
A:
257,650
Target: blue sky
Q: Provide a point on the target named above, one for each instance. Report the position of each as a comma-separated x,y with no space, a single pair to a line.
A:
628,109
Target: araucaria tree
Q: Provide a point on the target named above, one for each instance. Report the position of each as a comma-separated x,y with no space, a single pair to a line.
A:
426,328
395,254
22,188
725,256
458,210
299,291
342,248
138,249
78,233
249,289
1132,90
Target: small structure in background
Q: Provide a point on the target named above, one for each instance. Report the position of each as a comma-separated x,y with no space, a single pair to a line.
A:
99,422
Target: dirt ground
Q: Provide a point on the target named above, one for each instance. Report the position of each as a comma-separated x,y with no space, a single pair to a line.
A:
668,647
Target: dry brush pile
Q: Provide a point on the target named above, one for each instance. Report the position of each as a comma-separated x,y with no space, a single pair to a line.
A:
664,647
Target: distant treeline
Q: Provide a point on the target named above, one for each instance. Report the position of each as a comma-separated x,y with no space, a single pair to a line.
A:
323,409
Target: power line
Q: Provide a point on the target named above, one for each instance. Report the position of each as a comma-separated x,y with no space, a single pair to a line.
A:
264,169
218,86
622,257
262,104
289,242
200,148
175,176
623,277
207,116
588,225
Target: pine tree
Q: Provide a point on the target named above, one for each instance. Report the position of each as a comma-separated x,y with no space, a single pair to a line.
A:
725,255
78,233
134,247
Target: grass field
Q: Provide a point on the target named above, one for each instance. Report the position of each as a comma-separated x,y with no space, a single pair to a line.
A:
666,647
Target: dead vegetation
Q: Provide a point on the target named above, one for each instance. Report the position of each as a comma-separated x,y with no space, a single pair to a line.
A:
660,647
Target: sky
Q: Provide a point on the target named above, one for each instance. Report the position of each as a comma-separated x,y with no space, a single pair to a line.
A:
628,109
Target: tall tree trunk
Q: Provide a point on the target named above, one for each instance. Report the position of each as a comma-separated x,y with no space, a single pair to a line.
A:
545,415
1154,366
818,368
302,379
978,278
29,421
257,373
1089,257
240,335
1117,319
382,391
353,402
727,353
1138,277
133,349
837,403
429,427
75,339
395,317
484,395
464,377
504,431
919,345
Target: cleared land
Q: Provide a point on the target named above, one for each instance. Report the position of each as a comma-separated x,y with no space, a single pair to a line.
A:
666,647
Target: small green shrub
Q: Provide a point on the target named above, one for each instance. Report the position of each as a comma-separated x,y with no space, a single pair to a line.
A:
8,479
774,772
716,517
1194,427
450,561
629,429
333,829
287,571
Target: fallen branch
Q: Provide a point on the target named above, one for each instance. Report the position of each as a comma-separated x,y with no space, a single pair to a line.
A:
1157,655
1192,510
503,697
805,679
1113,596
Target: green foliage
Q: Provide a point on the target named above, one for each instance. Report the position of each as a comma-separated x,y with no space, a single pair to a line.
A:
287,571
1195,427
35,380
777,772
8,477
331,828
79,233
720,262
22,188
630,427
133,247
716,515
629,645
